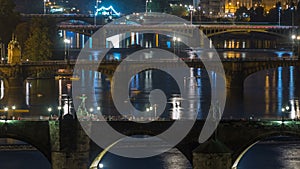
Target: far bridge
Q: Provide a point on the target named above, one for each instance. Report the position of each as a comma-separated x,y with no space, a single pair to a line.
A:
209,30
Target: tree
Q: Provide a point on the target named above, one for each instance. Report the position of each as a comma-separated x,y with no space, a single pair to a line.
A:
242,14
297,14
179,11
257,14
22,33
8,20
159,6
38,46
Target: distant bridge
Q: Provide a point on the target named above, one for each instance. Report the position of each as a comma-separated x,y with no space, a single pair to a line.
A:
208,30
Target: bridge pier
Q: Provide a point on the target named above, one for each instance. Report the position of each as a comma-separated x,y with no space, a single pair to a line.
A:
212,154
235,95
69,145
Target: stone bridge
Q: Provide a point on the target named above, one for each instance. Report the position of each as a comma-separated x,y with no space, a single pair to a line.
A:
14,75
208,30
65,144
280,31
236,70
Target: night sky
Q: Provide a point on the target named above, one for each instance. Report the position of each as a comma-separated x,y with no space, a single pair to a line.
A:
123,6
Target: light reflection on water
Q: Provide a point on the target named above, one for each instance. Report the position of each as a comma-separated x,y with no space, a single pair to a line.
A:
172,159
265,94
281,153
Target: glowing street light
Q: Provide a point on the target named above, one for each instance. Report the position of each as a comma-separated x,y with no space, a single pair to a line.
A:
67,46
279,13
96,9
147,5
191,7
45,6
176,39
6,113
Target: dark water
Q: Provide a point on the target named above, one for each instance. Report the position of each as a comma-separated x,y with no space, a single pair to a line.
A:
23,160
271,154
283,153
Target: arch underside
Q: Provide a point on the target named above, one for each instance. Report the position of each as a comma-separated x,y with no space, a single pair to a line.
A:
237,155
36,144
247,31
184,148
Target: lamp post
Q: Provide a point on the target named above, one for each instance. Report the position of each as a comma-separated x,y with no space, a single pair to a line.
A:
176,45
67,45
284,110
298,49
49,111
6,113
279,13
147,5
96,9
292,10
44,1
191,13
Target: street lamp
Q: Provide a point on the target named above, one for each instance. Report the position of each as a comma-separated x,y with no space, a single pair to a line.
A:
292,9
6,113
67,44
45,6
176,45
191,7
284,110
279,13
50,110
147,5
96,9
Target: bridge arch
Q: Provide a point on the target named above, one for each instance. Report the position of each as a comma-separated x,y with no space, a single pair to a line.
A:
75,21
237,156
209,35
100,154
31,141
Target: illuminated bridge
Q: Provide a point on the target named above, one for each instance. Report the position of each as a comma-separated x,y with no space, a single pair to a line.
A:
236,71
66,145
209,30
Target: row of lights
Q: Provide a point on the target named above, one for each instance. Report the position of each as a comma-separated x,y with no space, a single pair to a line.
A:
59,108
12,107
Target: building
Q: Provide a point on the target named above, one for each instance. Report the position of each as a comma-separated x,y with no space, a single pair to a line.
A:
212,8
232,5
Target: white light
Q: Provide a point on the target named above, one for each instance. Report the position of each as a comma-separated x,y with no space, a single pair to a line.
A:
59,107
5,108
101,165
67,41
98,108
13,107
287,107
293,37
282,109
49,109
91,109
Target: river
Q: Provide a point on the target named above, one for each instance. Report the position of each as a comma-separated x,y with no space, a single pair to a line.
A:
265,94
